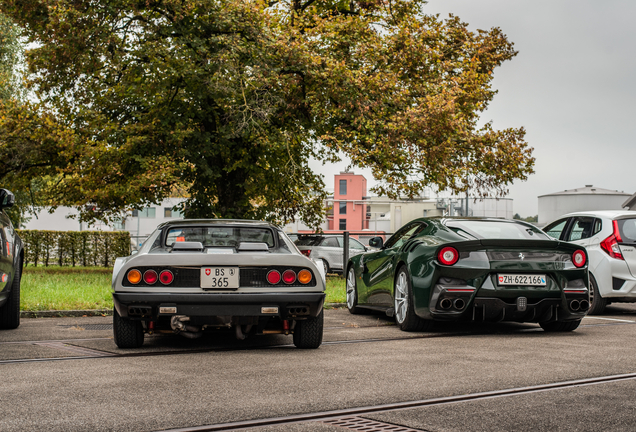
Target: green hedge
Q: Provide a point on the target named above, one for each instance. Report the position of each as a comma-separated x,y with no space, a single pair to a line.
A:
71,248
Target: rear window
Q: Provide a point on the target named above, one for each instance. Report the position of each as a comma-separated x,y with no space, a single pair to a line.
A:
220,236
627,229
308,241
482,229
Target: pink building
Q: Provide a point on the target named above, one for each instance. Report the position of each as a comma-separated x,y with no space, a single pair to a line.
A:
349,211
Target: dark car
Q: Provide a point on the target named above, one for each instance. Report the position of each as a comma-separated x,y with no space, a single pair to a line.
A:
444,269
11,260
193,276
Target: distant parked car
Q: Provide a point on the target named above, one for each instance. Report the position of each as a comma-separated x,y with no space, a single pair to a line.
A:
610,240
11,259
192,276
447,269
328,250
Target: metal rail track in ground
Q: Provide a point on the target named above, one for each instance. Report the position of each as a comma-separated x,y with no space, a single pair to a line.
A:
345,417
87,353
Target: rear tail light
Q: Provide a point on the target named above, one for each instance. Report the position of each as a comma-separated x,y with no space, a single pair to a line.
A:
273,277
610,244
166,277
289,276
304,277
134,276
448,256
579,258
150,277
306,252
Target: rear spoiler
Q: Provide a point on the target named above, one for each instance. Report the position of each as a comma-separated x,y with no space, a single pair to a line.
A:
512,244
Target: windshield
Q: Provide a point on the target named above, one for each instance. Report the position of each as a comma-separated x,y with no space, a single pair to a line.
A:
487,229
220,236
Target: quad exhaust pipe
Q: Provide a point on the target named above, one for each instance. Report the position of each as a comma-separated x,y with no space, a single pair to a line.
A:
458,304
581,305
179,326
445,304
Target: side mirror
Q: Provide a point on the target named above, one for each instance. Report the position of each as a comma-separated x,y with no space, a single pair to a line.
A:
7,199
376,242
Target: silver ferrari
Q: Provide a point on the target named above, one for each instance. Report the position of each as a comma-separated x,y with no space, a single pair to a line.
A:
193,276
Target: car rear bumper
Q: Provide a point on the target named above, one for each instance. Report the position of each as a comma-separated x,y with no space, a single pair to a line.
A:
148,306
521,310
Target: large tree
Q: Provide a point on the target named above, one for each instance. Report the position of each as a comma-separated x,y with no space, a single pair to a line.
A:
229,100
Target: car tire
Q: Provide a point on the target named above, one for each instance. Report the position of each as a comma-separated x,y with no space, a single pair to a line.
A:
405,316
352,292
597,303
560,326
127,333
325,265
308,333
10,312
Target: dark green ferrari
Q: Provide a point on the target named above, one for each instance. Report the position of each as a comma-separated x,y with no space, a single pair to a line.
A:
471,269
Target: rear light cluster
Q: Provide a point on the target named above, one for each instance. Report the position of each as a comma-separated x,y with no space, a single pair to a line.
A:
579,258
306,252
448,255
150,277
610,244
289,277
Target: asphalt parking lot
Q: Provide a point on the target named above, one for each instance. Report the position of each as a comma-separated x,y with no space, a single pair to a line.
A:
66,374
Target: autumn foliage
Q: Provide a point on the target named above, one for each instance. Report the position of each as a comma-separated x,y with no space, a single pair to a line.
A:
230,99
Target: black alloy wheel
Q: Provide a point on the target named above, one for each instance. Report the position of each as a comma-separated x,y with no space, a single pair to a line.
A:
352,292
405,316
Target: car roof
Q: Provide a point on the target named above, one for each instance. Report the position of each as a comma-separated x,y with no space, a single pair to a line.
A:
218,222
610,214
445,219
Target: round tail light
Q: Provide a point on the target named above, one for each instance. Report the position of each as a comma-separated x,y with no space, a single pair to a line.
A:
448,256
578,258
166,277
134,276
304,277
289,276
150,277
273,277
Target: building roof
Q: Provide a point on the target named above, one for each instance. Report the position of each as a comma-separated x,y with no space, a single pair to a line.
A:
630,201
587,190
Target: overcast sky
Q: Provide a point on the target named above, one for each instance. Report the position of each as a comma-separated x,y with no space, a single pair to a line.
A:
572,86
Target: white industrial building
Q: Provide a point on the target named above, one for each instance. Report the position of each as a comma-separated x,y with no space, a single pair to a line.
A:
385,215
630,204
588,198
139,223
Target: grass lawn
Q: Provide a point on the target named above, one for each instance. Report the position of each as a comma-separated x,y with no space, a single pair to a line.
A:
79,288
65,288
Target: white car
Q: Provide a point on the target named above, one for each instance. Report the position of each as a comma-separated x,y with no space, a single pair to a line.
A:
327,251
610,239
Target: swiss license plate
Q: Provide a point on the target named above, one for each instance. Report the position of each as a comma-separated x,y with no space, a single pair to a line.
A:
219,277
521,279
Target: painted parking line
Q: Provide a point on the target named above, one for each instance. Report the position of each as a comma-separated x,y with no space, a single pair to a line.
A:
610,319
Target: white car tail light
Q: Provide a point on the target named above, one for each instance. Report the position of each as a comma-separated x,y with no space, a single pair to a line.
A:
610,244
